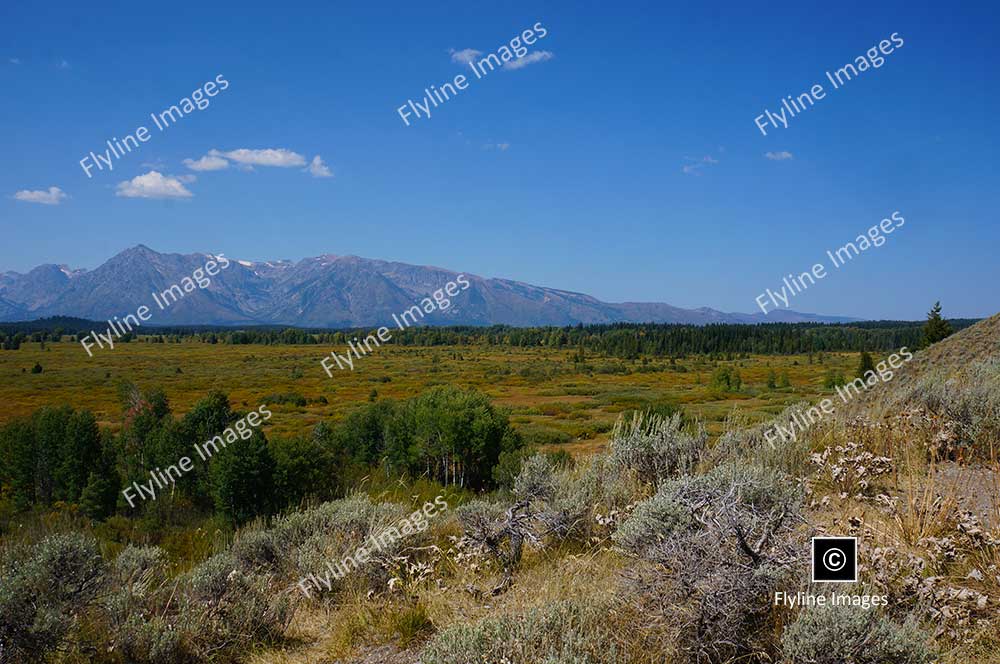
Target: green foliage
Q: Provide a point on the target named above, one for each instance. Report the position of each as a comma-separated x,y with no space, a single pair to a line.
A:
726,379
293,398
835,634
243,479
936,328
303,467
447,434
660,516
48,456
100,497
834,378
783,380
235,607
536,479
865,364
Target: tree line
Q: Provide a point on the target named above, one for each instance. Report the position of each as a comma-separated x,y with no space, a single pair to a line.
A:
446,434
621,340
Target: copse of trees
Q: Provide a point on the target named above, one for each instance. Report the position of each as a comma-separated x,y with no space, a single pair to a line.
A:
452,436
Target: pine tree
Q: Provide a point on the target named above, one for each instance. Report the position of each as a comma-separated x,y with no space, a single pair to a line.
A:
772,379
936,328
865,364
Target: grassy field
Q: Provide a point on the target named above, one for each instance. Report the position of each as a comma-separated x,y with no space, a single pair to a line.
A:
553,400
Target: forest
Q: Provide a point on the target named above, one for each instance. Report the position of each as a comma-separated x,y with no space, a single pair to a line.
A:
620,340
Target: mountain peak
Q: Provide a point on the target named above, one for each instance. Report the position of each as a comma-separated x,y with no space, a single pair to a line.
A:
327,290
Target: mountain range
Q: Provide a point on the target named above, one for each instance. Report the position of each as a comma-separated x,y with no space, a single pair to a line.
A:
325,291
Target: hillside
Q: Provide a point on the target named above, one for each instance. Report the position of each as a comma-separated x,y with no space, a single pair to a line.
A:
949,360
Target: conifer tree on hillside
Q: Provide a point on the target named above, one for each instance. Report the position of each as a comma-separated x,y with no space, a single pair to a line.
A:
936,328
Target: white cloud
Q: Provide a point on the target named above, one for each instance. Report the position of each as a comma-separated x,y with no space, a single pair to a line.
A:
153,185
209,162
502,147
529,59
63,64
318,169
465,56
696,165
187,179
14,61
53,196
779,156
279,157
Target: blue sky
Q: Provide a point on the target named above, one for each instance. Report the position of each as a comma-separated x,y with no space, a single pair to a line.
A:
568,172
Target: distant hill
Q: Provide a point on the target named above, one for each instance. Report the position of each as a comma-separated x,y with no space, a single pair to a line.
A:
326,291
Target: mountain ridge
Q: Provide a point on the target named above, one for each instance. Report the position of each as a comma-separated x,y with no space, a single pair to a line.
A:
328,290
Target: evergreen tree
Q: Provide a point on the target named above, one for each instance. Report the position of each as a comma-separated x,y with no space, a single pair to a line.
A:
17,461
772,379
100,496
865,364
936,328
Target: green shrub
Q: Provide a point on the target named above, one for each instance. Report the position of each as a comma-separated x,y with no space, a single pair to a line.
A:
140,565
751,444
836,634
540,436
726,379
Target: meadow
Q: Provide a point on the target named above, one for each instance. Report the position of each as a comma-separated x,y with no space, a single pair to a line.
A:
555,396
